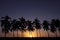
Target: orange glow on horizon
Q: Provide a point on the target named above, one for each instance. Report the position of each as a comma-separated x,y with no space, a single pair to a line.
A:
35,33
30,36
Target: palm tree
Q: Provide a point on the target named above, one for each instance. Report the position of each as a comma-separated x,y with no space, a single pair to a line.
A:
52,26
13,26
6,24
46,26
57,24
30,27
17,26
22,24
37,25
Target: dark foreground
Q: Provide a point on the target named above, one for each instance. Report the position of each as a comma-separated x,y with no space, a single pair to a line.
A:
27,38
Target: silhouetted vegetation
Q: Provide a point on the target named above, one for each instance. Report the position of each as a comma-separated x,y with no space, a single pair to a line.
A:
12,25
5,24
37,26
46,26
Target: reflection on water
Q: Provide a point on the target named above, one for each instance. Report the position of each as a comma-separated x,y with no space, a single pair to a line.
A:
39,33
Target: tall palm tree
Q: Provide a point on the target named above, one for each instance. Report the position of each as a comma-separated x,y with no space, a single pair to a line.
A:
57,24
22,25
13,26
36,22
30,27
6,24
52,26
46,26
17,26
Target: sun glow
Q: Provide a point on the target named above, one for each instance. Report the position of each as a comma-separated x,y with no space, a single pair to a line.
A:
30,35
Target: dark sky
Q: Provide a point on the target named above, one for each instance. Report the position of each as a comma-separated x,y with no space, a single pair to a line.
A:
30,9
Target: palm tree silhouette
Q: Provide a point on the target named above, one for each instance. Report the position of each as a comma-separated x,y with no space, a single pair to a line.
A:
46,26
22,25
13,26
30,27
57,24
37,25
52,26
5,24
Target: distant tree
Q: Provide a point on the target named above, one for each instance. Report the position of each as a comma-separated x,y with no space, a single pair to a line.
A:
52,26
46,26
17,26
22,24
57,24
14,26
30,27
36,22
5,24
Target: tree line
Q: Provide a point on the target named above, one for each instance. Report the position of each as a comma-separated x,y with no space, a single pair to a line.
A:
12,25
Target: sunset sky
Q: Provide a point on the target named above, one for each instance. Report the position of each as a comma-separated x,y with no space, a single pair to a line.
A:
30,9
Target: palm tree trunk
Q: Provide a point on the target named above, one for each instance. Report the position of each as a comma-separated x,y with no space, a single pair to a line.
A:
5,34
17,33
48,33
39,33
13,33
56,33
22,34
